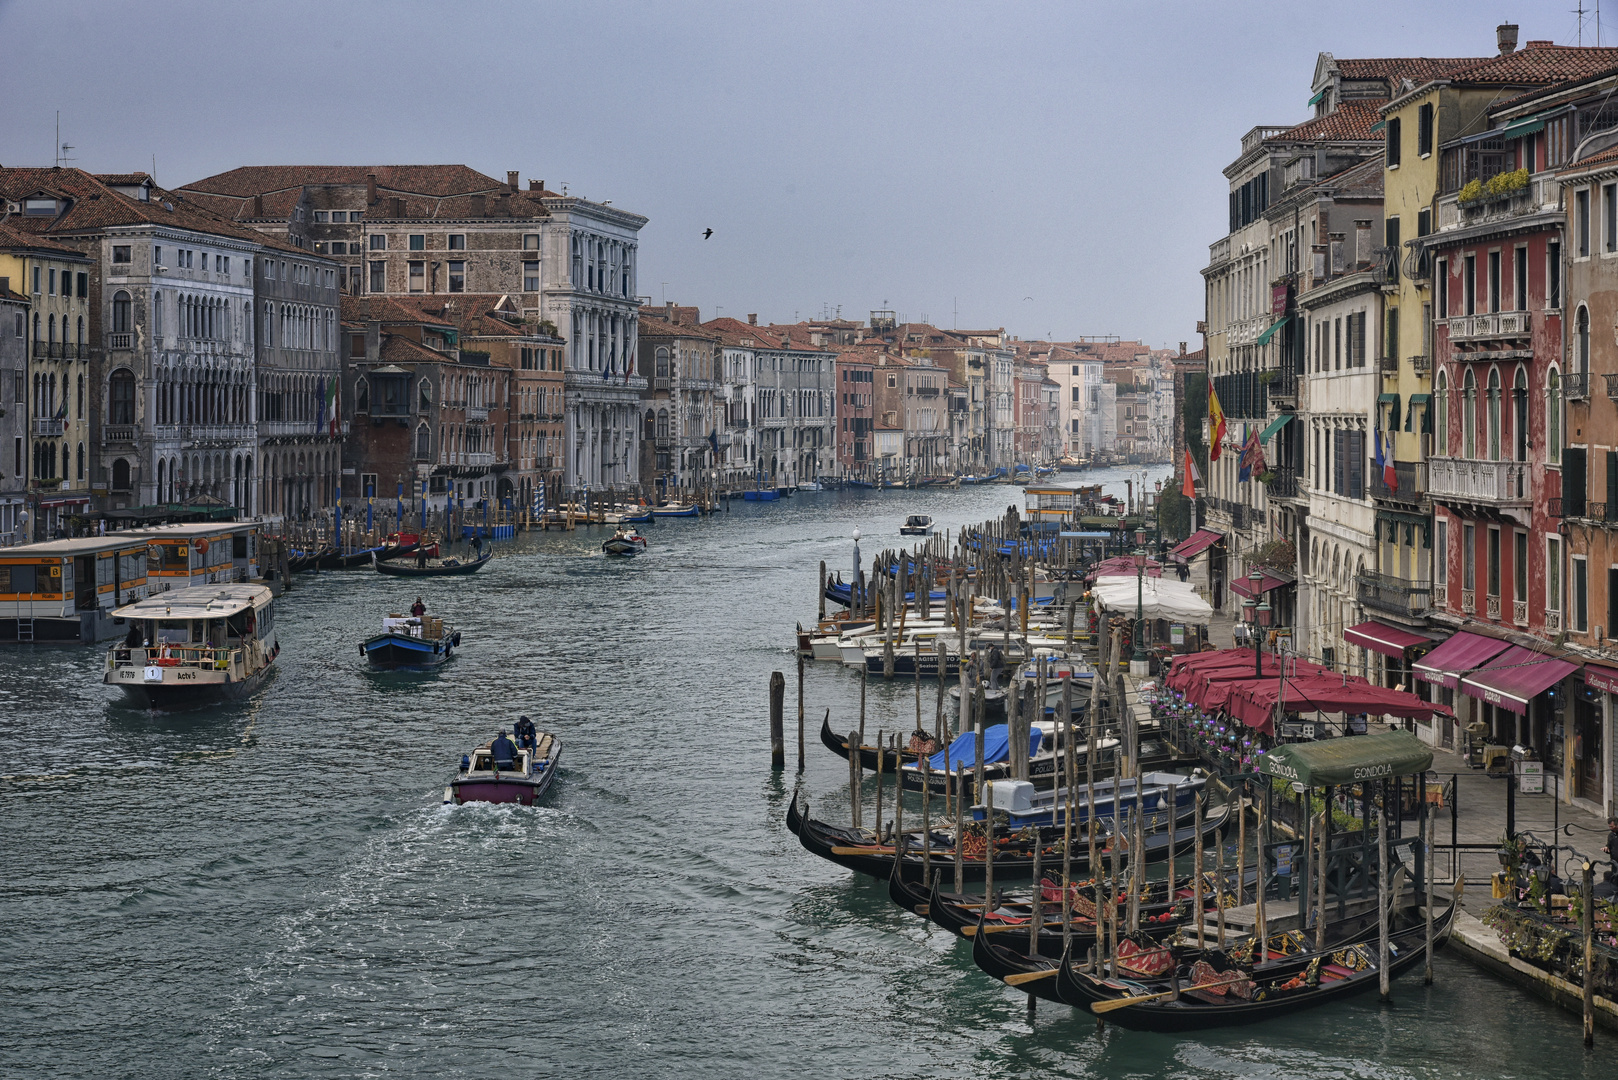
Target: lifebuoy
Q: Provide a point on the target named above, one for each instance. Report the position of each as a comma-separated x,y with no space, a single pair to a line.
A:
202,547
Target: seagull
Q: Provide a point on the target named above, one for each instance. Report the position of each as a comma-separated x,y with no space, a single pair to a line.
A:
1028,298
707,233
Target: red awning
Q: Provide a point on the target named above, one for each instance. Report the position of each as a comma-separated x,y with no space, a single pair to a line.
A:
1380,637
1196,544
1456,657
1601,678
1254,704
1124,566
1515,676
1242,587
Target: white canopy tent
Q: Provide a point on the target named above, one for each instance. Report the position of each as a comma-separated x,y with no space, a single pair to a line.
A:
1160,598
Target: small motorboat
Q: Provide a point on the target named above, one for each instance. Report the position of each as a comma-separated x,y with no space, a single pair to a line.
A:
410,642
523,780
917,525
626,541
641,516
673,510
760,495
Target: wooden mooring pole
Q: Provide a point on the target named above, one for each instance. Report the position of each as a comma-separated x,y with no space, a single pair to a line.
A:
778,748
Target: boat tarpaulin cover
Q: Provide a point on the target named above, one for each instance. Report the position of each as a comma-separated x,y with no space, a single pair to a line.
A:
1124,566
1350,760
963,752
1160,598
1197,543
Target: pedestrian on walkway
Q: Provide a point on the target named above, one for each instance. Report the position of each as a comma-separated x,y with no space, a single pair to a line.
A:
1612,838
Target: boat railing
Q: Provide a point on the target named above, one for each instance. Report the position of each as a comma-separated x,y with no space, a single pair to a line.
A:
202,657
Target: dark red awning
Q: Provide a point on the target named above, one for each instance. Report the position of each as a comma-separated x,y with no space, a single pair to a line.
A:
1461,654
1196,544
1383,638
1242,587
1515,676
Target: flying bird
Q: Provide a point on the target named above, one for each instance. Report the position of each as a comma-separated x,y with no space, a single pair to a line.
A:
707,233
1028,298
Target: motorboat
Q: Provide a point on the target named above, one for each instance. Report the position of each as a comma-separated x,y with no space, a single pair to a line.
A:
523,780
675,510
917,525
761,495
411,642
208,642
626,541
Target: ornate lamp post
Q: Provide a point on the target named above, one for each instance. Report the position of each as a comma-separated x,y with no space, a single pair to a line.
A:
1138,665
1252,607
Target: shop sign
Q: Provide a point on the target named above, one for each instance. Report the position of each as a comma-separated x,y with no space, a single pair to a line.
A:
1601,678
1531,777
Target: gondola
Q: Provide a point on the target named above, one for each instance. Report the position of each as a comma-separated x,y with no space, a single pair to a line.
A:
891,759
1002,962
858,850
299,561
1291,984
347,560
407,570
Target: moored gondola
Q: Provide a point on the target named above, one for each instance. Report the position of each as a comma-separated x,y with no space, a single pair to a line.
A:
891,759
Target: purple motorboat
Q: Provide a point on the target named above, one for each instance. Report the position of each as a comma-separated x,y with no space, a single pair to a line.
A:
522,779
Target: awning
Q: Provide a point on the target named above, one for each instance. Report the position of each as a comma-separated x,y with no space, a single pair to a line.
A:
1264,338
1601,678
1316,100
1242,587
1123,566
1256,702
1085,535
1197,543
1378,126
1459,655
1336,762
1380,637
1158,598
1410,413
1275,425
1521,127
1514,677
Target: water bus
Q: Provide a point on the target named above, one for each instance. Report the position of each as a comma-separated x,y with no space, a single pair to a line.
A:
193,645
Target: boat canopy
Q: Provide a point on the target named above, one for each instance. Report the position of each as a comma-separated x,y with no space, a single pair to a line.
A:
963,752
1349,760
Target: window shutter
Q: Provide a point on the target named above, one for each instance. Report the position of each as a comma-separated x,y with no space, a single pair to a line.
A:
1612,482
1339,455
1573,482
1356,339
1356,465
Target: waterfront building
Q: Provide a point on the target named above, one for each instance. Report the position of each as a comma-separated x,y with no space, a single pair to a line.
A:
736,399
54,415
926,419
14,459
680,362
797,385
856,375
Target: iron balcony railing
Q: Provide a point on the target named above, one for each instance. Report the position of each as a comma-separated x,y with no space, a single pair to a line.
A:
1282,484
1411,478
1393,595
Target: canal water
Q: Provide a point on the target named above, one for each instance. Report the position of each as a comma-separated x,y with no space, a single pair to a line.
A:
274,888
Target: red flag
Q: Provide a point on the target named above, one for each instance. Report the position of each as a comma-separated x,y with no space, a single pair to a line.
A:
1390,476
1189,489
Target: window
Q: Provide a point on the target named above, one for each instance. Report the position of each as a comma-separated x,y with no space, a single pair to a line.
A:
418,242
1469,566
120,312
424,443
1424,130
1337,344
457,276
1553,275
1393,143
1441,412
1553,418
379,242
1553,573
530,242
1580,598
379,277
1609,217
1493,560
1519,279
157,255
120,254
530,275
1581,340
1519,569
1493,397
1441,552
418,276
321,217
51,282
1391,348
1469,406
457,241
1469,285
1494,281
1581,221
83,285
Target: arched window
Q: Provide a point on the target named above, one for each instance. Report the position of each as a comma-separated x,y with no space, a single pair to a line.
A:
78,472
426,394
121,397
67,461
120,312
80,397
1441,412
1519,415
1553,417
50,330
662,423
424,443
1469,425
120,475
1581,341
81,330
36,326
1494,414
362,395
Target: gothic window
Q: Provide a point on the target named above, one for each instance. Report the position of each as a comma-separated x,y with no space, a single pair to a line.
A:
120,312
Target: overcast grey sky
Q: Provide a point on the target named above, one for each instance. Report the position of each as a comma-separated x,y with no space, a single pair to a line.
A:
930,157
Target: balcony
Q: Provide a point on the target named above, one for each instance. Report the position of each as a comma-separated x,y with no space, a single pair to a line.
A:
1482,483
1393,595
1283,484
1575,386
1282,384
120,433
1389,365
120,341
1612,386
1411,478
1493,326
477,415
49,427
1423,365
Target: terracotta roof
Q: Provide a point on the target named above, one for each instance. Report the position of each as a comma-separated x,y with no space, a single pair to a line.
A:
1351,120
12,237
398,349
426,191
387,309
1394,70
94,206
652,327
1604,158
1539,64
741,334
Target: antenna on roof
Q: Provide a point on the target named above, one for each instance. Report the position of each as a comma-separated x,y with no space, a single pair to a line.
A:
61,147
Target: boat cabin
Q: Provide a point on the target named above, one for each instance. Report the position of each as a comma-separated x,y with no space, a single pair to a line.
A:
210,627
210,553
66,590
1049,504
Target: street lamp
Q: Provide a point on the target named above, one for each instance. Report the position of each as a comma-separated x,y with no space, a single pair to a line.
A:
1255,579
1138,666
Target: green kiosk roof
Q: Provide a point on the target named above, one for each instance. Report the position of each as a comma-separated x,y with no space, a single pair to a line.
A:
1348,760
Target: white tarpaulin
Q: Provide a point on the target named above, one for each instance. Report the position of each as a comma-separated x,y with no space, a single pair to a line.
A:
1160,598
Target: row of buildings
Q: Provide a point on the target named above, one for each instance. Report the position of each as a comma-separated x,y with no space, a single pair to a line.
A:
275,339
1411,314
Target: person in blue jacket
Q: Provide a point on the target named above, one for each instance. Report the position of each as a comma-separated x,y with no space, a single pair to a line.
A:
502,750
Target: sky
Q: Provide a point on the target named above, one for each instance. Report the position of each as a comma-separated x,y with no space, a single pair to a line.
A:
1050,168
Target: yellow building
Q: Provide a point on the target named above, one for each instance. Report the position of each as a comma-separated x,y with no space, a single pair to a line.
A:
56,279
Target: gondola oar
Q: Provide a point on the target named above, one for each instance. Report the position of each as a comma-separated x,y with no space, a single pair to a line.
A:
1029,976
1099,1007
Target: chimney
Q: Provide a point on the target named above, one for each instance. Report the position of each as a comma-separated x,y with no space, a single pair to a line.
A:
1539,44
258,206
5,285
1506,36
1362,243
398,210
752,319
1182,348
668,310
511,181
370,189
373,339
536,185
479,208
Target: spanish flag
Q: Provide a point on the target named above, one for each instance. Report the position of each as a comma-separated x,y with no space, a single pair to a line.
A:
1216,425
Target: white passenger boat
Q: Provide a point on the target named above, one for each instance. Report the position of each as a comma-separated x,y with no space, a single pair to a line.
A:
193,645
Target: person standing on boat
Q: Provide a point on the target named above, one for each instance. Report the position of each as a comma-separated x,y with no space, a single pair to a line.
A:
502,750
418,610
477,545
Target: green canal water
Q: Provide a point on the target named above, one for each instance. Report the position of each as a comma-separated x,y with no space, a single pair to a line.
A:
274,888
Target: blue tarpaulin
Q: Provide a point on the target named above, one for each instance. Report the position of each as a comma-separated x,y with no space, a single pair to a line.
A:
963,752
